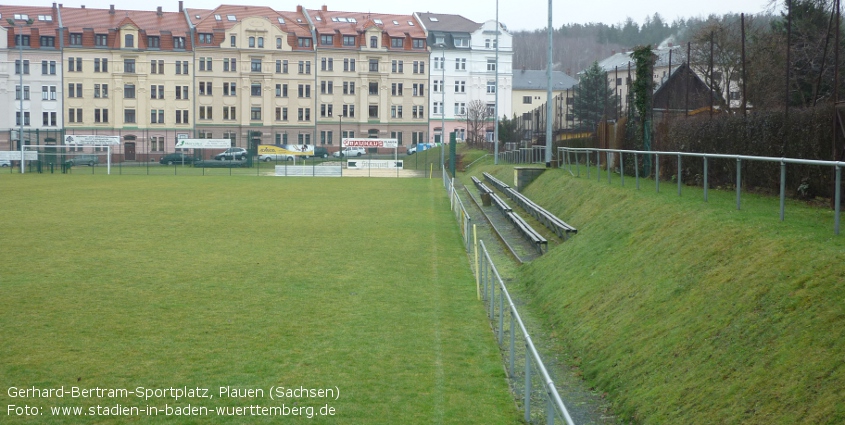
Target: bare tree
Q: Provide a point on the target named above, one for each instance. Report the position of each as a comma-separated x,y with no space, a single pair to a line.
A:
478,115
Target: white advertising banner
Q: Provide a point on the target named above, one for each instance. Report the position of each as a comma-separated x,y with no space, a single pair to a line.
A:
370,143
203,144
16,155
76,139
363,164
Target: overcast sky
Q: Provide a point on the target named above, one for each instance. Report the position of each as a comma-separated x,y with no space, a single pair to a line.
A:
516,14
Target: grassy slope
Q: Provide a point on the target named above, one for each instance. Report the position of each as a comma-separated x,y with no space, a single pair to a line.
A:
125,281
692,312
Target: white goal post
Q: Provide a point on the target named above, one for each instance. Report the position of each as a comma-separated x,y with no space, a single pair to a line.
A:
59,155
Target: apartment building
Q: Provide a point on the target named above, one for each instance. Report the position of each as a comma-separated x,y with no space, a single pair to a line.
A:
30,48
373,75
128,73
463,73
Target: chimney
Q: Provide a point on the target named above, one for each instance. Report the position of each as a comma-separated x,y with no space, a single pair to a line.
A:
299,8
158,12
325,8
111,9
83,6
54,6
180,6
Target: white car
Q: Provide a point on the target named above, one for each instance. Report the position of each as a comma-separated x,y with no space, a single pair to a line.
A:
5,163
350,152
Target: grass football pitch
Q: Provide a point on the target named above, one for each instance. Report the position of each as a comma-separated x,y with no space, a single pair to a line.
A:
240,299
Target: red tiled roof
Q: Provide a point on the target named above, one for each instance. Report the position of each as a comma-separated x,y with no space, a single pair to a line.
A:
352,23
208,21
75,19
44,27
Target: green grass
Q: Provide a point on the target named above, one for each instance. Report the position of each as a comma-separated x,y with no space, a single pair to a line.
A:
150,281
688,312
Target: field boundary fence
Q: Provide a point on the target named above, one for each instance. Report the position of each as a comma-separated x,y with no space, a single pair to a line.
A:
614,162
528,377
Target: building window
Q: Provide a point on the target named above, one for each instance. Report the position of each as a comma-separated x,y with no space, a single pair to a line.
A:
303,42
75,39
419,43
304,67
157,67
373,65
182,116
374,42
255,113
73,115
229,65
22,40
460,86
326,110
326,87
397,43
129,66
419,89
419,67
181,92
326,40
25,118
48,93
526,100
373,88
48,67
349,65
101,91
491,87
255,89
156,116
251,41
129,40
460,108
101,115
255,65
373,111
26,92
48,41
461,42
205,88
205,64
327,64
206,38
182,67
325,137
128,91
101,65
418,112
437,108
348,87
228,112
348,110
178,42
397,67
304,90
156,92
349,40
396,89
229,89
205,113
278,42
153,42
460,64
129,115
491,65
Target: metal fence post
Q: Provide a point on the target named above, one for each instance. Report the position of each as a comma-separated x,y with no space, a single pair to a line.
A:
705,179
587,159
679,175
621,168
637,171
738,180
513,342
838,197
527,384
550,410
657,172
782,188
501,316
598,165
607,158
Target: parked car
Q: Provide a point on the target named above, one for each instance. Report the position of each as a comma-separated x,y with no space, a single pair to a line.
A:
349,152
89,160
5,163
176,158
411,150
232,153
320,152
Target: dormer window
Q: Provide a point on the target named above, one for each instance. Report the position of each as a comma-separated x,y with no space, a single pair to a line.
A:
129,40
374,42
397,42
231,18
304,42
461,42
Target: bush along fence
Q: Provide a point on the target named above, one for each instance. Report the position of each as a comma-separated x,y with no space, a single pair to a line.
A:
530,381
626,161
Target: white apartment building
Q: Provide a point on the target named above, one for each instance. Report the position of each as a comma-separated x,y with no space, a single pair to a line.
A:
463,70
36,56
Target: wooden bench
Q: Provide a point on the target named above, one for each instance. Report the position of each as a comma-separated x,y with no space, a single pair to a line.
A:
535,238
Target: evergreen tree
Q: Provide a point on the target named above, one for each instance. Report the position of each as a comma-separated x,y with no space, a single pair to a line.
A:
594,98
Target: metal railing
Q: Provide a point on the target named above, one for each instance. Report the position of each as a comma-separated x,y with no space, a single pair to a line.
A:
567,162
530,155
527,374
